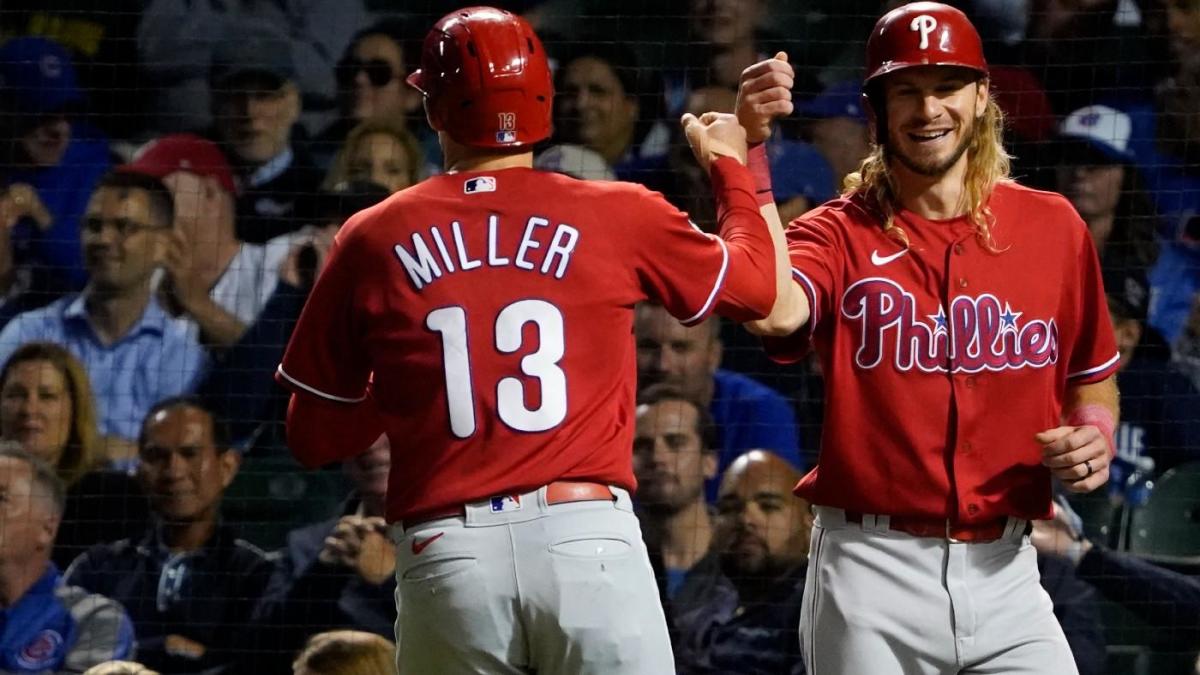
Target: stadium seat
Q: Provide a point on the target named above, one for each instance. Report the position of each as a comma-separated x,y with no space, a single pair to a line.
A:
1167,526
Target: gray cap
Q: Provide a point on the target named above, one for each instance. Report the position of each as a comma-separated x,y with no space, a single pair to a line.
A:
252,50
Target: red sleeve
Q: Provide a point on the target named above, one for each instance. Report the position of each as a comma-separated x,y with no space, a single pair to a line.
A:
1093,354
325,356
692,273
816,256
321,431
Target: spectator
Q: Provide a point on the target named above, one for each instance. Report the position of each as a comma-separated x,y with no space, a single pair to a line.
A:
48,625
748,415
346,652
216,280
176,41
575,161
46,406
240,384
189,583
1159,427
805,178
25,284
339,572
1169,602
119,668
256,104
837,125
134,353
674,453
1094,170
604,101
381,151
370,81
747,622
103,47
49,150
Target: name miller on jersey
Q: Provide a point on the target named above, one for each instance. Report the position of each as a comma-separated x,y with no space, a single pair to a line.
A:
533,253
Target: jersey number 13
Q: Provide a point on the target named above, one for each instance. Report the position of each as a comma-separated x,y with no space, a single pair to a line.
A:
451,324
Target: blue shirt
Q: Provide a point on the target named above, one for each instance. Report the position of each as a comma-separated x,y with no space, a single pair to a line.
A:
55,627
158,358
1172,183
65,190
750,415
1174,282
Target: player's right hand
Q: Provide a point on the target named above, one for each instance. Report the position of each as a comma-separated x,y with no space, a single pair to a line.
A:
765,95
714,135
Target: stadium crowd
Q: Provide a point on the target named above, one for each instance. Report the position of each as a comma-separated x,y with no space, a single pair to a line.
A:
174,172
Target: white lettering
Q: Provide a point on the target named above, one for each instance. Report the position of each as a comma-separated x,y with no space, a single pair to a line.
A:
464,261
528,242
924,24
421,269
561,245
493,232
437,239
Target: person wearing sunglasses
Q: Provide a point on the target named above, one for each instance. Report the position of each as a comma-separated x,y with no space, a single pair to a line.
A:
370,79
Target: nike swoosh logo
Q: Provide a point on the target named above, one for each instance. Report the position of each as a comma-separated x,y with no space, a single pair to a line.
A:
885,259
418,546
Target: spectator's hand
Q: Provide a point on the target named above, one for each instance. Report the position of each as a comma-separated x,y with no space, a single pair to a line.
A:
362,545
182,283
307,257
1077,456
19,201
1059,537
714,135
765,95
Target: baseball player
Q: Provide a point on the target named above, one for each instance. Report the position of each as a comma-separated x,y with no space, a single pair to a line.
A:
483,320
960,323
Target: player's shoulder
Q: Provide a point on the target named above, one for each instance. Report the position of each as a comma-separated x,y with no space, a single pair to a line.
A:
1012,193
1041,210
839,215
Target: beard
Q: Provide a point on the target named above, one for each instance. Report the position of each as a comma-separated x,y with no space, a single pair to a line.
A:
934,168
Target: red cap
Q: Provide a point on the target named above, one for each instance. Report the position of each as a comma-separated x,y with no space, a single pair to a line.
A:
183,152
923,34
486,79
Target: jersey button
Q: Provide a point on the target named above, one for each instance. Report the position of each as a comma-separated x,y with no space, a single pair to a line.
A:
971,381
967,447
972,509
962,283
958,249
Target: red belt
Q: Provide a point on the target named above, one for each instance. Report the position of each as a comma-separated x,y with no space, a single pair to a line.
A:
558,492
942,529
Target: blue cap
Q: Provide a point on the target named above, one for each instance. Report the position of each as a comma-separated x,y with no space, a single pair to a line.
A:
37,76
799,170
841,99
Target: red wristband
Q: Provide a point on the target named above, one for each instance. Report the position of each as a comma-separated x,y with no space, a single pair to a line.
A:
1097,416
760,168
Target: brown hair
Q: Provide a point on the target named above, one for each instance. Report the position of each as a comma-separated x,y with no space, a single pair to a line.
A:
987,164
339,171
347,652
82,450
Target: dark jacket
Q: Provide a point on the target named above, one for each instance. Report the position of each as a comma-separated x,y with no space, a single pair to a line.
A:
306,596
1077,609
205,596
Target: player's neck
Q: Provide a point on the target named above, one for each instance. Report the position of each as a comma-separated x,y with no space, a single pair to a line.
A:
933,197
459,158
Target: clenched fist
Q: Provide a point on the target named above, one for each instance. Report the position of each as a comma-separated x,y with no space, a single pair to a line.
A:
714,135
765,95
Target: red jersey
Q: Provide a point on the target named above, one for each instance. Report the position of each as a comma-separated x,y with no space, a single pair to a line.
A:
493,313
943,360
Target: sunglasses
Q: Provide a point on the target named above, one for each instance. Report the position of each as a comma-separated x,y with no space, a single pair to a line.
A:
379,72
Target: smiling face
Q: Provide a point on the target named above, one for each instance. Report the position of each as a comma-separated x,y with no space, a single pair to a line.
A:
182,470
594,109
122,238
35,409
931,114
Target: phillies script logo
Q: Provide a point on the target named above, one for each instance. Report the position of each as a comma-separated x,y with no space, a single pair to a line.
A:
979,333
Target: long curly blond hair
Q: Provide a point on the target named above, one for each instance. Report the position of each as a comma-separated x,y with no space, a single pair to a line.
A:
987,164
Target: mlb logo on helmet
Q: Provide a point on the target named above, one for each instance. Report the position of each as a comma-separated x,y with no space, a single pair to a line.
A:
508,128
505,503
479,184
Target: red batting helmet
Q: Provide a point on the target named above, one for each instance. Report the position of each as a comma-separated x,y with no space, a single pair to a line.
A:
923,34
485,79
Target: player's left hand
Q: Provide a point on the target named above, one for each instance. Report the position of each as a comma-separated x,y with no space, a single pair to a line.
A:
714,135
1077,456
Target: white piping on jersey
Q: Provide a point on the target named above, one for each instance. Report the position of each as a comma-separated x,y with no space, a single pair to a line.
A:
720,278
814,311
318,392
1090,371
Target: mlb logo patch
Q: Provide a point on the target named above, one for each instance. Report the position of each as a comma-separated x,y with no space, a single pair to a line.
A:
506,503
479,184
506,136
